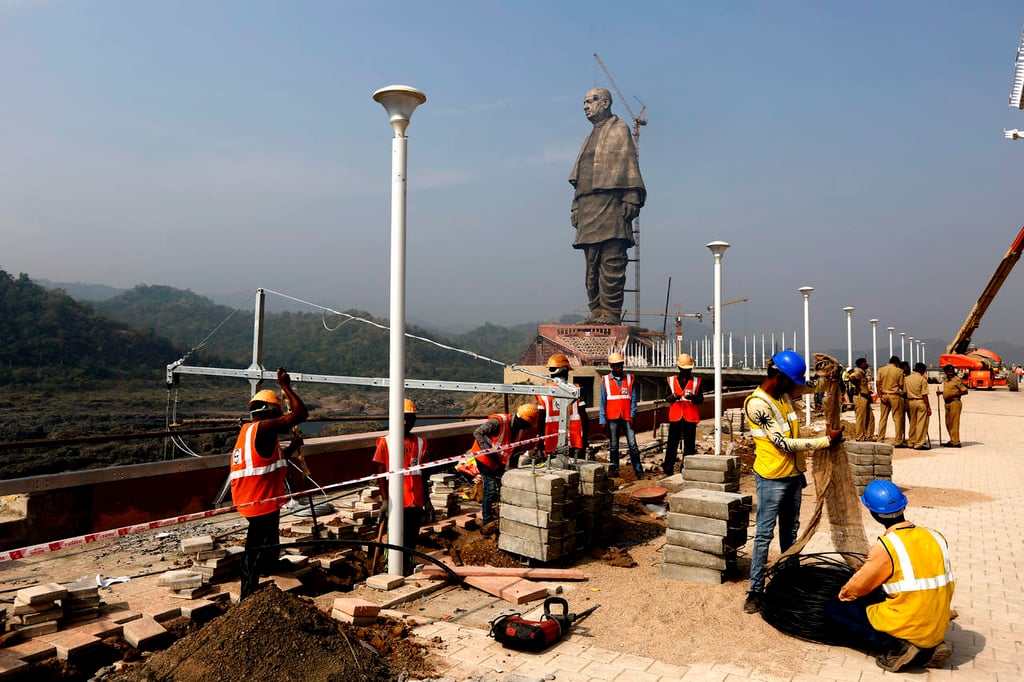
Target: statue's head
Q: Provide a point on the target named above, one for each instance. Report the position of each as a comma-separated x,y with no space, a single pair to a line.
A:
597,104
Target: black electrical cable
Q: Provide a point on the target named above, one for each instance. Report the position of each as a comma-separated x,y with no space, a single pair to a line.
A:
797,590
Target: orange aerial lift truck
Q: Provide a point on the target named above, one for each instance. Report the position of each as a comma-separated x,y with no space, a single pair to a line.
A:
983,368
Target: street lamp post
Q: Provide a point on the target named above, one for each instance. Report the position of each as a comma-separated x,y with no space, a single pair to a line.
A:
808,398
718,250
903,347
912,360
399,101
849,335
924,354
874,351
891,330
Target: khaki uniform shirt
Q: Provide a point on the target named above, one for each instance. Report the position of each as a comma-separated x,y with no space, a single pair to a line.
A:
890,379
860,381
917,386
953,388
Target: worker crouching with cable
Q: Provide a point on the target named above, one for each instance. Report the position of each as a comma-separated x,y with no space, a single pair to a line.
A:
911,565
258,469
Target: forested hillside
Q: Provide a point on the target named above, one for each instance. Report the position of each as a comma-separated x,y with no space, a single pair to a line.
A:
48,335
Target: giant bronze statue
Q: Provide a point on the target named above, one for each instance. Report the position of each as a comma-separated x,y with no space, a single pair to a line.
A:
609,194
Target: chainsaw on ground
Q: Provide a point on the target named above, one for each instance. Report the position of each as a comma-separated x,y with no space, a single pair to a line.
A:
515,632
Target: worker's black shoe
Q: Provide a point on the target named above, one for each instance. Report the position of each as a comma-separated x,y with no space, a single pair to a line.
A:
901,445
939,657
951,445
753,602
921,447
897,659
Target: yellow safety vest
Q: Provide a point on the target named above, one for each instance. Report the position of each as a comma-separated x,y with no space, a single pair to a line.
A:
920,589
770,461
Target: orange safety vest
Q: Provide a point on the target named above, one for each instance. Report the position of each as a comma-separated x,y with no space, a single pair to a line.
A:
683,409
618,399
552,417
412,482
495,459
254,477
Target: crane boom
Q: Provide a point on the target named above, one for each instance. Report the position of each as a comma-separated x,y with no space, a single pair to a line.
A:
962,340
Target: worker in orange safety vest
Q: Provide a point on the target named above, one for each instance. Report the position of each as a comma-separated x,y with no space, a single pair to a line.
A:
550,416
685,396
258,469
495,439
619,397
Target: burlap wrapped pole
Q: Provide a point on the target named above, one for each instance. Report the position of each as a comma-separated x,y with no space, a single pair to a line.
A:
833,479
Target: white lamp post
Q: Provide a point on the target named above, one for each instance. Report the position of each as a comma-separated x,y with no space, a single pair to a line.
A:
718,249
849,335
912,360
808,398
874,351
399,101
903,347
924,354
891,330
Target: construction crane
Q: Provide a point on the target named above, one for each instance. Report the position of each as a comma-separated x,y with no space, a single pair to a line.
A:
638,120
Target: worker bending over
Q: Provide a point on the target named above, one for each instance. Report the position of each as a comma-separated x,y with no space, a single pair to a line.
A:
498,434
911,565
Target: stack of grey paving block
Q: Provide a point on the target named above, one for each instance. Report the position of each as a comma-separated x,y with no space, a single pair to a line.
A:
214,562
711,472
594,506
37,609
734,421
185,583
536,514
443,497
869,461
82,600
705,528
363,513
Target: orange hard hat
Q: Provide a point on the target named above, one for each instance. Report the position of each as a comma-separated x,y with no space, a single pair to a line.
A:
528,412
269,397
557,361
410,407
616,359
684,361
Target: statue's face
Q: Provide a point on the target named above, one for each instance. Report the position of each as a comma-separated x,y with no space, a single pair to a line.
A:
595,106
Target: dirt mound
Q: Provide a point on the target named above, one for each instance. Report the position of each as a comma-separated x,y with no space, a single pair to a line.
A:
276,636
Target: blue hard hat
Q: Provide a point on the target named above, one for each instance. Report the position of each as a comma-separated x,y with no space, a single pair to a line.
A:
792,365
884,497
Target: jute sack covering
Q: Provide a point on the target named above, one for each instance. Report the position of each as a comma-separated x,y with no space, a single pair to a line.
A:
833,479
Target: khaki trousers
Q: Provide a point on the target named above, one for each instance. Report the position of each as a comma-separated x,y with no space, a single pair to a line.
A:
918,435
953,421
891,404
865,428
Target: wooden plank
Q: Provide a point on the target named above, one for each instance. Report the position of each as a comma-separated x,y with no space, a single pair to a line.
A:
528,573
514,590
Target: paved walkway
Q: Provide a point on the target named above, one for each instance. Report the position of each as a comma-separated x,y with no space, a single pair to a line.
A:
979,516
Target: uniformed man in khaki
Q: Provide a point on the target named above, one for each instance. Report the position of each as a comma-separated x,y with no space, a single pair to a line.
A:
861,383
952,389
918,407
890,400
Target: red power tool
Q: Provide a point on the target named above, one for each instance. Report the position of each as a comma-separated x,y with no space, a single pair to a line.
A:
515,632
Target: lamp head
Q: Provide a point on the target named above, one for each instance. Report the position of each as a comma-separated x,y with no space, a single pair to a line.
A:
718,248
806,291
873,321
891,329
848,309
399,101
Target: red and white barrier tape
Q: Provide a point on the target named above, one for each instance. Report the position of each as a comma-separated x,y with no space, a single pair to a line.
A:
45,547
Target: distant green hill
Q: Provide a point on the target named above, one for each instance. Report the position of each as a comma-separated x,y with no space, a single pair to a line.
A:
47,334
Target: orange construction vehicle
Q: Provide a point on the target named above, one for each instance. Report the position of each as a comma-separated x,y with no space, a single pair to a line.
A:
983,368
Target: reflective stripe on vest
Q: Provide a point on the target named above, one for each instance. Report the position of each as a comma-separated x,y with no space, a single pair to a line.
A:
411,480
769,460
910,581
253,477
683,409
492,459
618,399
791,423
552,417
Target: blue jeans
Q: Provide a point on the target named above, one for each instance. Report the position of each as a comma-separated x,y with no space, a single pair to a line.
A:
492,487
777,499
614,425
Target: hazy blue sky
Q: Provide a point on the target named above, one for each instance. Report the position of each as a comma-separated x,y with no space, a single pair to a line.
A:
222,146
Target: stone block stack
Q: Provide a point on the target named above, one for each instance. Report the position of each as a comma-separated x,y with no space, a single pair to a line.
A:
443,496
705,528
869,461
536,515
363,514
185,583
711,472
214,562
82,600
594,506
37,609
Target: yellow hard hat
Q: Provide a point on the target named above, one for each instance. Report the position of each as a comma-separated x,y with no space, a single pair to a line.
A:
269,397
410,407
528,413
616,359
557,361
684,361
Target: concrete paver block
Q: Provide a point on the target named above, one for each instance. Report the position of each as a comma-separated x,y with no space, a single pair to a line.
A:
355,606
143,632
30,650
73,644
197,544
10,666
385,581
40,594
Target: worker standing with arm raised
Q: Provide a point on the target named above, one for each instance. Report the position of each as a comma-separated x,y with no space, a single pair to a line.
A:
685,396
258,470
778,462
953,389
619,398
